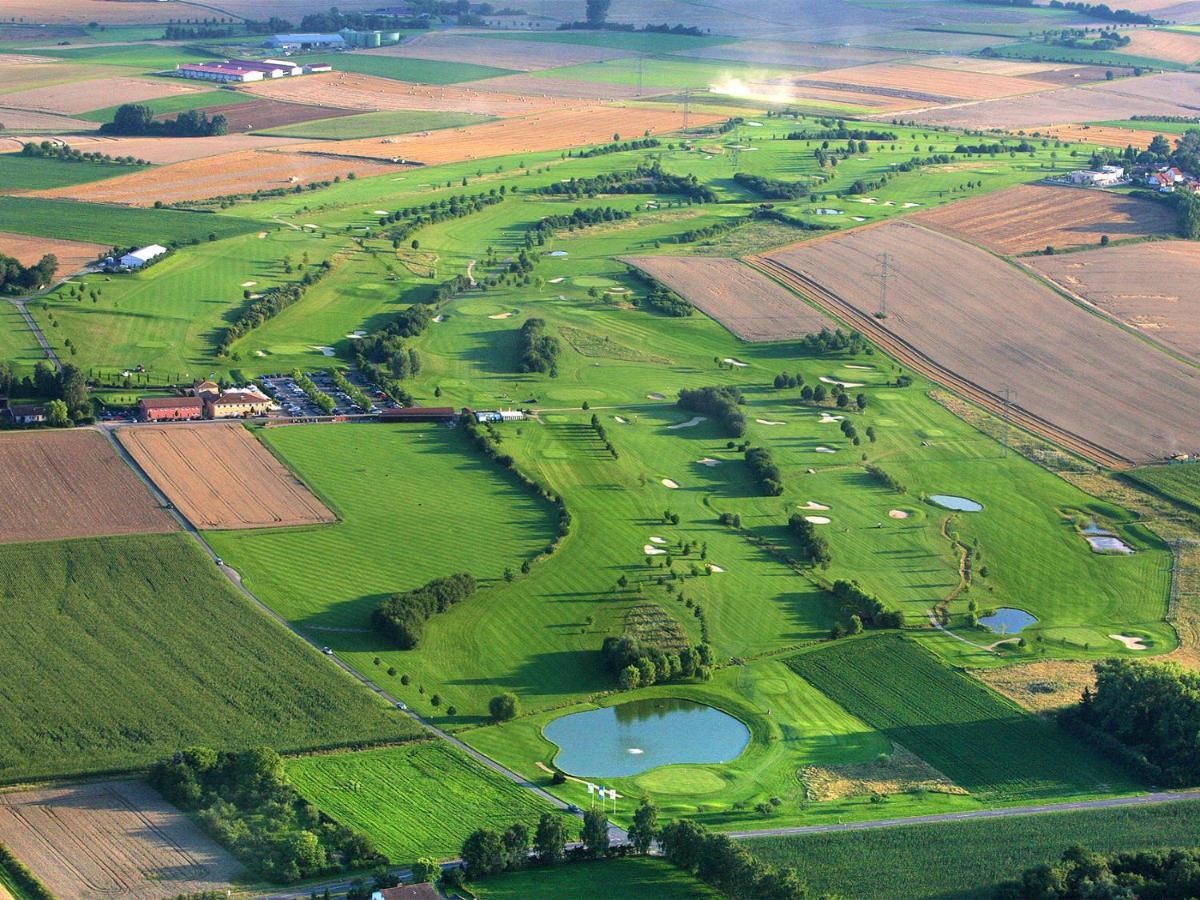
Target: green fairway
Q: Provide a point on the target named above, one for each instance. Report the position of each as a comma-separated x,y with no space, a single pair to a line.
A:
421,799
17,342
424,71
968,859
127,649
117,225
375,124
175,103
628,879
982,742
1179,482
31,173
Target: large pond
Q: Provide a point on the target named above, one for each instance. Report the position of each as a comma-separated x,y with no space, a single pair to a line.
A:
633,737
962,504
1007,620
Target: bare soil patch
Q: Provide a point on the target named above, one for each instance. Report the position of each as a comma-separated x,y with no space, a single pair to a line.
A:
111,838
1174,46
930,81
219,476
260,114
84,96
348,90
1150,286
68,484
523,56
1040,686
241,172
979,325
1078,75
549,130
749,304
1032,217
72,255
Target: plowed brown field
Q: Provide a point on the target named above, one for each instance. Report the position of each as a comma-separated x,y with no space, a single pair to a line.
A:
68,484
543,131
924,80
259,114
219,476
84,96
1174,46
347,90
242,172
72,255
749,304
1032,217
111,839
1150,286
18,120
980,325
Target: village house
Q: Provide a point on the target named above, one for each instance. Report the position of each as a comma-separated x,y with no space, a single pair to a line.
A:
237,404
1166,179
423,891
205,388
170,409
27,413
1105,176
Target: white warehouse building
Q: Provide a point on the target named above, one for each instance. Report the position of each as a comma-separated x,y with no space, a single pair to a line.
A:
139,258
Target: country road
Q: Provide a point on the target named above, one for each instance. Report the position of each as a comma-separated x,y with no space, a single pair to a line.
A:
36,329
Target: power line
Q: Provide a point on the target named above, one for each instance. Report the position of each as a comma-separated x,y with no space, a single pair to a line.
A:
887,271
1008,394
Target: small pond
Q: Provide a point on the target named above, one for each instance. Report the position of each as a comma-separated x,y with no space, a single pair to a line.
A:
962,504
633,737
1007,620
1107,543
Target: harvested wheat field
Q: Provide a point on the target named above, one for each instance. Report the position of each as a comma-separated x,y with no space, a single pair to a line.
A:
219,476
522,56
69,484
42,75
1150,286
927,81
1173,46
75,11
111,839
792,55
980,325
163,150
1103,135
347,90
749,304
19,120
1032,217
72,255
543,131
241,172
560,89
1011,68
84,96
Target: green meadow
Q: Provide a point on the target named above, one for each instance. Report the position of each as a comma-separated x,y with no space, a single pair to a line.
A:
30,173
130,648
1082,55
118,225
633,878
425,71
176,103
1178,482
376,124
17,342
148,57
1158,125
674,72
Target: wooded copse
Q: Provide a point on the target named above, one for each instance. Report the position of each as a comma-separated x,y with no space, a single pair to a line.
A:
16,278
722,403
136,119
539,350
402,617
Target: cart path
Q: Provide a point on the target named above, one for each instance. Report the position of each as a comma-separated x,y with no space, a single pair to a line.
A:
37,329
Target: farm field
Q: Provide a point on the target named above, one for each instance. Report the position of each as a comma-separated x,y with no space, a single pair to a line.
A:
159,149
261,115
972,857
113,224
1032,217
422,71
29,123
512,55
1036,50
982,742
1153,126
1105,135
749,304
173,104
377,124
966,336
67,484
85,96
72,255
790,54
1180,483
421,799
26,173
1173,46
18,80
219,476
151,651
638,878
924,82
111,838
1146,286
666,73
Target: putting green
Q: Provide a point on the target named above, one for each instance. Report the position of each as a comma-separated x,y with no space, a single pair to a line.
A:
772,687
887,395
681,780
593,281
480,308
933,432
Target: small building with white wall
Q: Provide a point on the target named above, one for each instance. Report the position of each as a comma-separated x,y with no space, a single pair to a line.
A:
139,258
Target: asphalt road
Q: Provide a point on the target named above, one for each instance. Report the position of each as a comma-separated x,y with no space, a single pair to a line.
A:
37,330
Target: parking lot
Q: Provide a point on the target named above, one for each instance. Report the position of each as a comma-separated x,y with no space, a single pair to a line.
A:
294,402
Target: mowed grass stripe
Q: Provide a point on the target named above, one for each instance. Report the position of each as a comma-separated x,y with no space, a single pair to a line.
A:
979,740
423,799
29,173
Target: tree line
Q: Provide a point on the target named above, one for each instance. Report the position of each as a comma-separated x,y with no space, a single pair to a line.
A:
635,664
65,389
415,218
539,350
771,188
764,471
271,303
137,119
66,153
1082,873
645,143
402,617
723,403
645,179
16,278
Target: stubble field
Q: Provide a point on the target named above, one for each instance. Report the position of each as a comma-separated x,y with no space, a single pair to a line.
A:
84,96
924,81
161,150
221,477
1174,46
72,255
66,484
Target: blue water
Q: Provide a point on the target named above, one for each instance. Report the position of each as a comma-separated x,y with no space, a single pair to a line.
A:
962,504
1006,620
633,737
1107,543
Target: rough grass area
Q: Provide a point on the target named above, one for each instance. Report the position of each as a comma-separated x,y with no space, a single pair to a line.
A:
423,799
628,879
126,649
1180,483
376,124
29,173
117,225
978,740
968,859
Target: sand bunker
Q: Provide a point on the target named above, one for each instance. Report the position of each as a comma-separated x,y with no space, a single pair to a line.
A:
507,315
654,539
733,361
558,280
813,504
1131,643
651,550
667,482
653,396
853,366
357,335
693,421
620,420
249,283
439,319
708,461
845,384
897,514
381,212
769,422
713,568
817,520
326,351
826,450
827,419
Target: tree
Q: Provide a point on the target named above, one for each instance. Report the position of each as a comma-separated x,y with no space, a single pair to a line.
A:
630,678
74,391
597,12
683,842
483,853
516,846
56,414
645,826
550,839
595,832
504,707
426,869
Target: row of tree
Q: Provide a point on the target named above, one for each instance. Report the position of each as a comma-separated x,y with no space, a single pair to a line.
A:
138,119
539,350
636,664
764,471
271,303
401,618
662,299
645,179
1084,873
813,548
771,188
66,153
16,278
728,866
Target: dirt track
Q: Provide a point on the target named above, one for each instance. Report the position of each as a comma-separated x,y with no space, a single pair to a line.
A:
112,839
69,484
219,476
977,324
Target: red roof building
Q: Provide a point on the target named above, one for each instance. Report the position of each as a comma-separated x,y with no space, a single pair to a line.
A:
168,409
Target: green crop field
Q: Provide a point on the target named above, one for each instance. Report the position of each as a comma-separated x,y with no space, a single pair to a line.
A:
641,42
29,173
982,742
127,649
148,57
1179,482
1084,56
176,103
376,124
425,71
119,225
627,879
1163,127
421,799
968,859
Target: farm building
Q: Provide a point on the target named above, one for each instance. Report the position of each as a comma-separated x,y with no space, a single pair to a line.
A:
419,414
27,414
369,39
168,409
1102,177
139,258
306,42
223,72
522,23
423,891
237,404
500,415
316,68
205,388
270,68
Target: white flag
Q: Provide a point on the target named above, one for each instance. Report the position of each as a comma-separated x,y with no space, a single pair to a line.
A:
612,794
591,788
